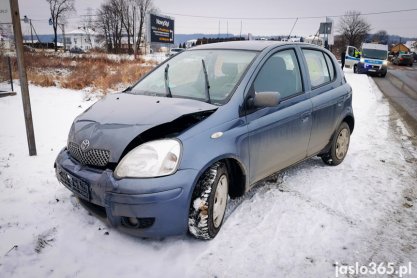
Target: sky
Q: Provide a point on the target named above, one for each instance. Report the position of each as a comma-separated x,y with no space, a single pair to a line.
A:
237,16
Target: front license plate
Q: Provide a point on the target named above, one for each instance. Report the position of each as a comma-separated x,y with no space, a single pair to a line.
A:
371,70
76,185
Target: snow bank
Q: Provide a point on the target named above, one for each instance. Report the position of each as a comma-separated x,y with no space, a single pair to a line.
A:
300,225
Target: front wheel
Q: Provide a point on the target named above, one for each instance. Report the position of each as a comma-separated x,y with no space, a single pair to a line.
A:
339,146
355,69
208,204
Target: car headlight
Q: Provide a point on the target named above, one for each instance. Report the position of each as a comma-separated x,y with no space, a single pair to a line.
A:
362,60
152,159
385,62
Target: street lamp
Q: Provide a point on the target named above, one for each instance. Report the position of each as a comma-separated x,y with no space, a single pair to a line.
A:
28,20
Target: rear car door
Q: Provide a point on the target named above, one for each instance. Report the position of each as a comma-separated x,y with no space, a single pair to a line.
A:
327,97
278,136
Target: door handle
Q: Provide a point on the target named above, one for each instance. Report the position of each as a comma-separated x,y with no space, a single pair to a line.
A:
340,102
305,117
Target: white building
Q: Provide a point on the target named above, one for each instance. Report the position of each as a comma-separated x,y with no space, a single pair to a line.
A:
317,40
82,38
412,45
5,42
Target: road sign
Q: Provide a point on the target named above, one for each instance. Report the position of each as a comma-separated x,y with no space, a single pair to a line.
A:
162,29
5,14
325,28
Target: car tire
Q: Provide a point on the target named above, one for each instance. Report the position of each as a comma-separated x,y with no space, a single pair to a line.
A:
384,74
208,203
339,146
355,69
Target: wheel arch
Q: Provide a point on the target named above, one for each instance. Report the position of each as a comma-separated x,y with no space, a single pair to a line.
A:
350,122
237,174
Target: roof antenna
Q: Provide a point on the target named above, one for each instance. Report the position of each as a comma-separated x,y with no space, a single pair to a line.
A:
292,28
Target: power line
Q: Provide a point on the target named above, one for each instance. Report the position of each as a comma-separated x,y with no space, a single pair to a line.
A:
288,18
252,18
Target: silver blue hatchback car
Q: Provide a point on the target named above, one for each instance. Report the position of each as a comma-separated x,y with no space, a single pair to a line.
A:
164,156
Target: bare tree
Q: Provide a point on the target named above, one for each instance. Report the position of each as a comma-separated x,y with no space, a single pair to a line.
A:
115,19
87,26
381,37
144,7
353,28
59,9
110,22
126,16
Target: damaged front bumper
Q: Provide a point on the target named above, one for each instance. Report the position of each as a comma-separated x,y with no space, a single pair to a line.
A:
154,207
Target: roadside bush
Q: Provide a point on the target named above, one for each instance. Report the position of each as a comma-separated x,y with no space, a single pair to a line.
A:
99,72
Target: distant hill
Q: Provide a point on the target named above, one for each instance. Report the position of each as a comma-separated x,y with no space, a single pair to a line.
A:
179,38
182,38
42,38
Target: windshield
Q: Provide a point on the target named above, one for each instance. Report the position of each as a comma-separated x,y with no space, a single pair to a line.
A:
186,77
374,54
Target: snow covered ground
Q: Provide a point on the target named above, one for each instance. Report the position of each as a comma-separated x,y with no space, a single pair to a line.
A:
311,218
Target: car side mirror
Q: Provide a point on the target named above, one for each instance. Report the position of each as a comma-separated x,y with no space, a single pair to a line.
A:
265,99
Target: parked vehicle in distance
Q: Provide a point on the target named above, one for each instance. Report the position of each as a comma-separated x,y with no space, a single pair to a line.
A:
175,51
373,59
76,50
415,57
404,60
164,156
28,48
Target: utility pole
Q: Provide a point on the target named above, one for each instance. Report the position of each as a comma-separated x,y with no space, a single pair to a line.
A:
134,32
63,35
31,31
17,28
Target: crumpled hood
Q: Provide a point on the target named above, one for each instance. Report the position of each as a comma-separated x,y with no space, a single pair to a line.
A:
113,122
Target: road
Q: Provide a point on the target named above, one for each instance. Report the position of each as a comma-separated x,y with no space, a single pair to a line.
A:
400,86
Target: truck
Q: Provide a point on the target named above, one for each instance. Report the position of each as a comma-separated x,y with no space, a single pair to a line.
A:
372,59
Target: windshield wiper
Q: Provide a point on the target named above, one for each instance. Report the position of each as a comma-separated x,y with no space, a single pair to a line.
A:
207,85
167,88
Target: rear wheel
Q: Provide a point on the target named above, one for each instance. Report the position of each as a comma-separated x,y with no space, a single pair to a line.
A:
208,204
339,146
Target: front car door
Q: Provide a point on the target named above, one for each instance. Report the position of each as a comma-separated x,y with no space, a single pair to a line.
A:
352,57
278,136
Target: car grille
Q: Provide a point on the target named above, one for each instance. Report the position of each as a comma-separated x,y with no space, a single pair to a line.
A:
92,157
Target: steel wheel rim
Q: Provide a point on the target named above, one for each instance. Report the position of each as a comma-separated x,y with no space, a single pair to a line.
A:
342,143
220,200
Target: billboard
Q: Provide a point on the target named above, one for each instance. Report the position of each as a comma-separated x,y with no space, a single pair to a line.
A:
5,14
161,29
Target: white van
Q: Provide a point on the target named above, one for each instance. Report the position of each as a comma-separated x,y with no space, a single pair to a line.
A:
372,58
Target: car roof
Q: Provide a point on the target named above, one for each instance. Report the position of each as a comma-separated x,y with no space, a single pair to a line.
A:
245,45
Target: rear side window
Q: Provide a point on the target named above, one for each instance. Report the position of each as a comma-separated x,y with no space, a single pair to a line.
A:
330,66
317,67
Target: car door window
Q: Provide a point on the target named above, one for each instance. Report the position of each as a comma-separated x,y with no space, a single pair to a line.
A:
330,66
317,67
351,51
280,73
